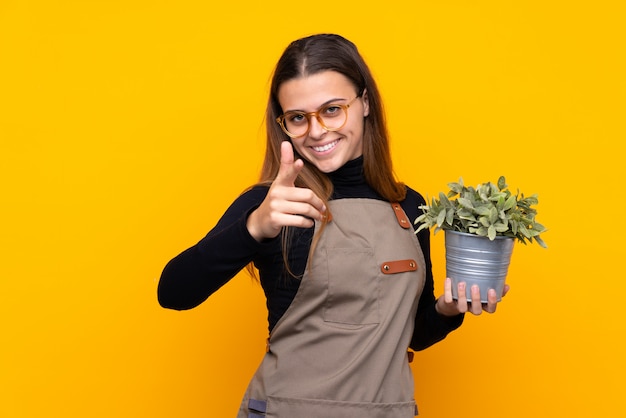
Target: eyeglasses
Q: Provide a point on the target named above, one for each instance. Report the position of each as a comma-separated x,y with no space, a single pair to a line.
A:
332,117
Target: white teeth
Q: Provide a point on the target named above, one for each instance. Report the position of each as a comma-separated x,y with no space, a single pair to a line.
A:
325,147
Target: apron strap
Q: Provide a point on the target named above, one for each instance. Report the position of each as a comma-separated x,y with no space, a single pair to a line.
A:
403,220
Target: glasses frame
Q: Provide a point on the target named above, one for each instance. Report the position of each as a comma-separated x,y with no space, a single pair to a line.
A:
281,119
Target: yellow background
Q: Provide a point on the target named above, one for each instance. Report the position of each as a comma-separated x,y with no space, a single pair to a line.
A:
127,127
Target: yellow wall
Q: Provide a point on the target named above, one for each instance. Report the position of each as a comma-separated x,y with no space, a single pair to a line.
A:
127,127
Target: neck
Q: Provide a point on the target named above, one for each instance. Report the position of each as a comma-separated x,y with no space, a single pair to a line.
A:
349,181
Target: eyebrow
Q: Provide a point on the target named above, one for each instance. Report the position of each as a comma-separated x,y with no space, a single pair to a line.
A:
327,102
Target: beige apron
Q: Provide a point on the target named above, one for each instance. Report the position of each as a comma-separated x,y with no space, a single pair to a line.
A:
340,349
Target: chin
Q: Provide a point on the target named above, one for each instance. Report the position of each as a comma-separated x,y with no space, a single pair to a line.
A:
328,167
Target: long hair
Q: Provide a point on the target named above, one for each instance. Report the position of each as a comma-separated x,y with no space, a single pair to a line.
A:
312,55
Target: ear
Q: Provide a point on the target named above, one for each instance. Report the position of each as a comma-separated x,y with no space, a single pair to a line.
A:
366,103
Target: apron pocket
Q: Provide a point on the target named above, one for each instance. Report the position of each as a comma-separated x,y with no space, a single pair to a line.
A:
353,286
278,407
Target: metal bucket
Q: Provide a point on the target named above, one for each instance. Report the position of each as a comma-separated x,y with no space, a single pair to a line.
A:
477,260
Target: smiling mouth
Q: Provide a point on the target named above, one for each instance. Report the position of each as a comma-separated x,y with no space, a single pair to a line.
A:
326,147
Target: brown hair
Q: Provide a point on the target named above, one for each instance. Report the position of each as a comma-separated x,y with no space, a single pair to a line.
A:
312,55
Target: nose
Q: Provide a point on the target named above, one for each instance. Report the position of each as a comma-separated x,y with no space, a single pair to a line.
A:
316,129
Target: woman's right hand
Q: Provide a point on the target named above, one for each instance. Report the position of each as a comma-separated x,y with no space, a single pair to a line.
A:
447,306
285,204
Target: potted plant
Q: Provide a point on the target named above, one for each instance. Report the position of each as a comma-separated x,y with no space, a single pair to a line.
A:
481,225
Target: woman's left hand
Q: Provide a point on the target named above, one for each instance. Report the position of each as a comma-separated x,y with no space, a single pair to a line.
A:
447,306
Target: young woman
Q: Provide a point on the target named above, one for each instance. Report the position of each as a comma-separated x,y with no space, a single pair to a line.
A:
349,285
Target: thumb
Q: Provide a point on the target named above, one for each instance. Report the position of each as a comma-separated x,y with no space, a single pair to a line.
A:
289,169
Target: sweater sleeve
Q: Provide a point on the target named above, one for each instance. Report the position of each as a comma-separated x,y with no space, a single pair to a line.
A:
191,277
430,326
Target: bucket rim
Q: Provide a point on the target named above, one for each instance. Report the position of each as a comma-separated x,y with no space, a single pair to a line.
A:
498,237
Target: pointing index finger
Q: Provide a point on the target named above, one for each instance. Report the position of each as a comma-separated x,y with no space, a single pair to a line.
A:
289,169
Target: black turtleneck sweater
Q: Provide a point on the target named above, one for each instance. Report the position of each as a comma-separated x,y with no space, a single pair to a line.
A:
192,276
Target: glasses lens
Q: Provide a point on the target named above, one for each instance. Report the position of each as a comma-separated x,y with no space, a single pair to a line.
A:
296,123
332,118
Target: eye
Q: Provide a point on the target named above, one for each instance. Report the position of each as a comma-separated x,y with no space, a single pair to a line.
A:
295,118
331,110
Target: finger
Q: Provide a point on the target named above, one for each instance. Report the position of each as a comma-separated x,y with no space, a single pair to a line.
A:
506,290
476,305
492,301
303,207
447,291
289,169
462,299
297,221
286,177
296,201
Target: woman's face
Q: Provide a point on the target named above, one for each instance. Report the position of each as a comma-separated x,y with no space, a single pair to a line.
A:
327,150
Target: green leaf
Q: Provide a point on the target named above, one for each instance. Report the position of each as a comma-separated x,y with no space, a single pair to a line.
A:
510,203
500,201
533,233
522,230
493,189
465,202
501,227
450,216
493,215
491,232
466,216
482,211
532,200
502,183
481,231
540,242
539,228
444,199
455,188
441,217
